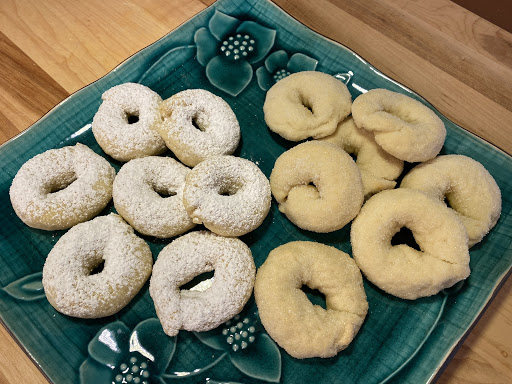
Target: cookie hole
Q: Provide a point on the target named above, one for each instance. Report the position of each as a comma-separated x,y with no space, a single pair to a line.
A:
199,283
165,193
308,191
405,236
315,296
98,268
229,189
447,202
306,104
62,184
132,118
196,124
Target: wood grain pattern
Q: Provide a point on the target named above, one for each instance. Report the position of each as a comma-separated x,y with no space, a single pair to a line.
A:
455,59
80,41
496,11
26,91
485,355
15,366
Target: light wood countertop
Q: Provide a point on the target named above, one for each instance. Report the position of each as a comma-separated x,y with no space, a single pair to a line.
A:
458,61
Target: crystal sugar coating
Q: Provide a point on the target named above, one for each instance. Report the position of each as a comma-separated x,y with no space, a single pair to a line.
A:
305,330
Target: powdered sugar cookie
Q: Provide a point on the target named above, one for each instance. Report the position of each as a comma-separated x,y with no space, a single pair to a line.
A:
205,308
69,283
198,124
62,187
229,195
148,194
124,124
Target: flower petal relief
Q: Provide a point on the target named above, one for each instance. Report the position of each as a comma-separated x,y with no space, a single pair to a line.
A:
278,65
118,356
249,348
228,47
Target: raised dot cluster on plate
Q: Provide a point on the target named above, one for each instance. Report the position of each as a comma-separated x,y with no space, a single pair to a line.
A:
320,188
155,195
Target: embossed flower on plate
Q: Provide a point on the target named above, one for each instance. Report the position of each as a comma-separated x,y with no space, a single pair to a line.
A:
249,348
228,47
117,355
278,66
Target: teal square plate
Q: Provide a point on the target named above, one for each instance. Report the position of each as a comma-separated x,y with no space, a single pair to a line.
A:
236,49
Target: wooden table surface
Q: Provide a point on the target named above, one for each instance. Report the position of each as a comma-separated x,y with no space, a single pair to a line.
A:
458,61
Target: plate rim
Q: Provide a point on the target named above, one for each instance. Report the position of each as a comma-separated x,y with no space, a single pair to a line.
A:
453,348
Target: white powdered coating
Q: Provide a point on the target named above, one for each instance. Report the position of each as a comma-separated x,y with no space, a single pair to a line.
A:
218,133
468,187
187,257
67,280
110,126
403,127
400,270
229,195
86,176
136,198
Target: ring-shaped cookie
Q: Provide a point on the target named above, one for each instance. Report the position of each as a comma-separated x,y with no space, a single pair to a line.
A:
229,195
306,104
198,124
124,125
148,194
318,186
301,328
403,127
70,283
401,270
378,168
62,187
466,185
205,308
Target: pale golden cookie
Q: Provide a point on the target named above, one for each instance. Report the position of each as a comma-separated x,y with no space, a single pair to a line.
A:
306,104
467,186
403,127
318,186
301,328
378,168
401,270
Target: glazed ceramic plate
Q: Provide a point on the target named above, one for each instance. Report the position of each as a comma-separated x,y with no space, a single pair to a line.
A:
402,341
